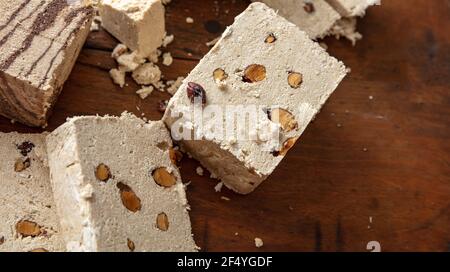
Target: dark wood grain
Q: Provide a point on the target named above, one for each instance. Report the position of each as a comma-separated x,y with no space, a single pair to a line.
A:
385,158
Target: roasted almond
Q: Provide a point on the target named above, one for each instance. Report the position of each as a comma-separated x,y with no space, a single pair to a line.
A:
295,79
219,74
284,118
21,164
163,178
102,172
175,155
28,228
270,38
41,249
131,245
288,144
129,198
254,73
162,222
2,240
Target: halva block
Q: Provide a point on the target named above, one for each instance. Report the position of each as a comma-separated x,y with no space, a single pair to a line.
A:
115,186
251,97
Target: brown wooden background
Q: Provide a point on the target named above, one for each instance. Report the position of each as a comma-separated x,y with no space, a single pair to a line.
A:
385,158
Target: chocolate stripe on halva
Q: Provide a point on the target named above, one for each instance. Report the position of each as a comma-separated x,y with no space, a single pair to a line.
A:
10,33
43,21
14,14
43,54
68,20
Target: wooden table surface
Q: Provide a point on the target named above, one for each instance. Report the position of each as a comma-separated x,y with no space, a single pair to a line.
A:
373,166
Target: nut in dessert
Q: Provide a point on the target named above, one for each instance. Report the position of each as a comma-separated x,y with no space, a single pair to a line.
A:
195,92
295,79
28,228
41,249
175,155
254,73
162,222
219,75
129,198
163,178
270,38
130,245
102,172
21,164
288,144
284,118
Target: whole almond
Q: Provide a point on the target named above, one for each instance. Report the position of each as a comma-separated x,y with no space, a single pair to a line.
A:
295,79
219,74
288,144
131,245
102,172
175,155
270,38
163,178
20,165
254,73
129,198
162,222
28,228
41,249
284,118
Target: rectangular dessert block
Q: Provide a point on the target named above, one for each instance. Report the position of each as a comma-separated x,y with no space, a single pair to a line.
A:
28,215
40,42
268,67
115,186
315,17
352,8
139,24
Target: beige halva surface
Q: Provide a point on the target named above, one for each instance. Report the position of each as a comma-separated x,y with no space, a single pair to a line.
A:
316,22
243,165
319,19
352,8
139,24
28,215
92,214
40,42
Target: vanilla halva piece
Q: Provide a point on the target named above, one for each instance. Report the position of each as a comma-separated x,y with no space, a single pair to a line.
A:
262,64
315,17
352,8
28,215
139,24
39,44
115,186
